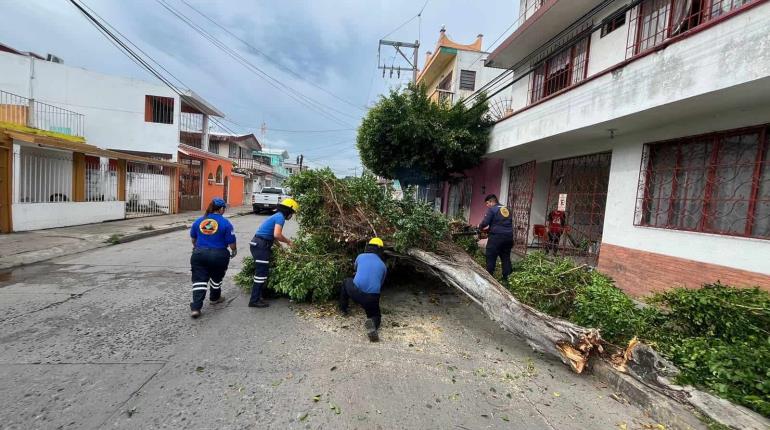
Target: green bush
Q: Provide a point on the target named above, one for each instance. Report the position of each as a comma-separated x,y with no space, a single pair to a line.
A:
716,310
719,336
548,286
602,305
736,370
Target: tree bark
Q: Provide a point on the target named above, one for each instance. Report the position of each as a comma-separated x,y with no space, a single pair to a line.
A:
572,344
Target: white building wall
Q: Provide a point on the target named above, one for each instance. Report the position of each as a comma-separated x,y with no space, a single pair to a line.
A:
36,216
729,54
113,106
741,253
605,52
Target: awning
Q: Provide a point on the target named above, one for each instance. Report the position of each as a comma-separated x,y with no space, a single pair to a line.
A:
69,145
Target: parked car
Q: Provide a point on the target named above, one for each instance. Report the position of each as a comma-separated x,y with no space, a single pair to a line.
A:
267,199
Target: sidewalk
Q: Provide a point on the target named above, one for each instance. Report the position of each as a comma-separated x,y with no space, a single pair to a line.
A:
19,249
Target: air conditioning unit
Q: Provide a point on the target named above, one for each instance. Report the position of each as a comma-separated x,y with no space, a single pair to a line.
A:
54,59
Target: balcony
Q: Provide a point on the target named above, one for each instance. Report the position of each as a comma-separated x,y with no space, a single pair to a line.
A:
191,122
537,25
676,84
25,112
252,164
442,96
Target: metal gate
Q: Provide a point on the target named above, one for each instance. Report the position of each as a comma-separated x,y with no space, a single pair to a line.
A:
521,188
150,190
582,182
190,176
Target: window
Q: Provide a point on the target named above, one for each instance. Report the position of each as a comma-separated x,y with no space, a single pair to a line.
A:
613,23
232,150
716,183
219,175
159,109
657,20
560,71
467,80
213,147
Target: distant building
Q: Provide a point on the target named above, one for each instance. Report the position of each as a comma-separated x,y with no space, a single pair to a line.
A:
453,72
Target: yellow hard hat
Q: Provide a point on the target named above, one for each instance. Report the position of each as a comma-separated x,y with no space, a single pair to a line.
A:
376,241
291,204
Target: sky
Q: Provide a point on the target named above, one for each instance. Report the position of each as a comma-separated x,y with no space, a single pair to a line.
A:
324,50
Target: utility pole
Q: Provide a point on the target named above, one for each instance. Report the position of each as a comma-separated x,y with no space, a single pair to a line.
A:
415,47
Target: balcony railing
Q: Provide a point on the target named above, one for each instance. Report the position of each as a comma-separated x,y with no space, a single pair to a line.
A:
252,164
442,96
191,122
15,109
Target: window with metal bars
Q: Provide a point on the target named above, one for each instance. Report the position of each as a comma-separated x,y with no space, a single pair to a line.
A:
654,21
159,109
563,69
232,150
716,183
467,80
613,23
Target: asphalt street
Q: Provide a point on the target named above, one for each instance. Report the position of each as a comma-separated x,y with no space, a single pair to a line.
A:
103,339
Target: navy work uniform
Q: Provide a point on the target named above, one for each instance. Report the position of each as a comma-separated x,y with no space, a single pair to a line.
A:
212,233
500,241
262,251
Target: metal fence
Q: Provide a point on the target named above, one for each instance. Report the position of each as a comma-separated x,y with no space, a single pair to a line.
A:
20,110
581,183
521,190
43,178
101,182
150,190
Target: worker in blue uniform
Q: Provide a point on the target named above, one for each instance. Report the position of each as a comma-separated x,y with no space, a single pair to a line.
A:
269,231
212,235
499,223
364,288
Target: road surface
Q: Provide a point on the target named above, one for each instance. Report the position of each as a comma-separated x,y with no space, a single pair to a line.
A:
104,339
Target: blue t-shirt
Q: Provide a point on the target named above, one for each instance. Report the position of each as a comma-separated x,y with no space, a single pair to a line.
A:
370,273
266,229
212,231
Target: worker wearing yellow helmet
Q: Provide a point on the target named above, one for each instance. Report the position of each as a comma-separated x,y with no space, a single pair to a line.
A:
269,231
364,288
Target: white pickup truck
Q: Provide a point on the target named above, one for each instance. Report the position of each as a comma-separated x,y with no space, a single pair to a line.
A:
267,199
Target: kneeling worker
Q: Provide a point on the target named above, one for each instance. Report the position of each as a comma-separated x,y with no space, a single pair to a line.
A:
365,287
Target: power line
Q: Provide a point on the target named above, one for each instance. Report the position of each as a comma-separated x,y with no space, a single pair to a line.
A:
306,101
126,50
267,57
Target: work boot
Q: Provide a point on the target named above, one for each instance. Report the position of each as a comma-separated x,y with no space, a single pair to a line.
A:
260,304
221,299
371,330
195,314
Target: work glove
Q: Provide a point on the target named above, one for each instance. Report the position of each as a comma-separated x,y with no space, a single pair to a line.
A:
233,253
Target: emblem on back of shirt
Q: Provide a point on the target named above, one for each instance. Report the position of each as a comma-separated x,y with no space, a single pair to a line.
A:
209,226
505,212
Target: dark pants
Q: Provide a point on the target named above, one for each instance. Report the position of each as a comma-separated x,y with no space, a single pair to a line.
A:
261,251
553,242
499,245
208,269
370,302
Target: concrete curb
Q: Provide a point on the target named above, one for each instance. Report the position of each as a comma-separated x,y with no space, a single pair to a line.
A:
150,233
661,408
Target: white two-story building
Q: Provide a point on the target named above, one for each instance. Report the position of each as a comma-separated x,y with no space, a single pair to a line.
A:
647,121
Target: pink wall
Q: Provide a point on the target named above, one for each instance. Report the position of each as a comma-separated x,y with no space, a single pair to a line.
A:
486,178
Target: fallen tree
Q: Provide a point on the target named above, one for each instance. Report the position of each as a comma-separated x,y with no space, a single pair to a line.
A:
338,217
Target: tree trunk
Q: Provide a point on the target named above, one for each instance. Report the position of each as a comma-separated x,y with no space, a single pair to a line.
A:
570,343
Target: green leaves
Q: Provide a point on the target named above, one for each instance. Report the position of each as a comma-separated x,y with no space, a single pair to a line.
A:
408,137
